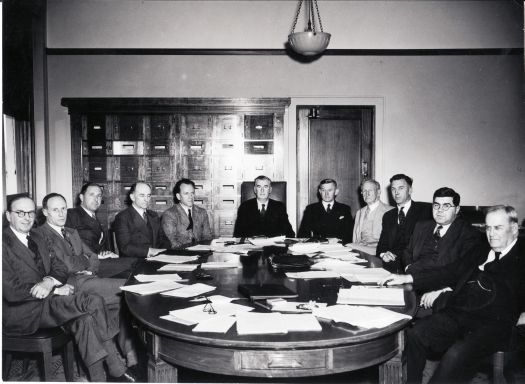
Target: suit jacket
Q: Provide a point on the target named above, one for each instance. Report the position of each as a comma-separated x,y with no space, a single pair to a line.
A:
20,311
77,257
133,236
91,231
377,219
275,222
338,223
456,253
175,221
394,239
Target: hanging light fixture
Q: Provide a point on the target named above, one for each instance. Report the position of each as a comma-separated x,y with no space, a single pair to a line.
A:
311,42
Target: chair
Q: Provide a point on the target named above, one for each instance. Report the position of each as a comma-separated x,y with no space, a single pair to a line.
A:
278,191
43,342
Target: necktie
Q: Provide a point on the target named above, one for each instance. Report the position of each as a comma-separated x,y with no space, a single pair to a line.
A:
328,209
33,247
190,225
263,210
145,216
66,237
367,211
401,218
497,256
437,234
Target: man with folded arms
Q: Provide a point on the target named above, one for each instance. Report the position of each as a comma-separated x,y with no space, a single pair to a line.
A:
398,224
34,296
185,224
476,318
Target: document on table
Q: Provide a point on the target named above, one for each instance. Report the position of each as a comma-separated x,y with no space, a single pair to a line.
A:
225,240
265,242
370,250
151,288
301,323
199,248
219,324
159,277
360,316
347,255
220,265
190,290
242,249
173,259
313,274
371,296
366,275
335,265
178,267
284,306
254,323
198,313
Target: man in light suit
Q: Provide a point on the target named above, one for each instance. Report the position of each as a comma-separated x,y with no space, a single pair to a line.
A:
137,229
327,218
368,220
34,296
185,224
83,218
262,216
82,265
476,318
398,224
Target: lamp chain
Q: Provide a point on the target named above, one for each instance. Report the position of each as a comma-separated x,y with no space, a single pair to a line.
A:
312,16
296,15
318,15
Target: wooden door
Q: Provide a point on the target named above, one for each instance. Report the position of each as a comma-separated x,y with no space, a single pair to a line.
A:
334,142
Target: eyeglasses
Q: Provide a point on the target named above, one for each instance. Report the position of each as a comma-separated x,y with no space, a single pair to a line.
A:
30,214
444,207
208,307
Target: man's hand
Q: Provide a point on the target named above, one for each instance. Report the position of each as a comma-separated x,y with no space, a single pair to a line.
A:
388,256
155,251
64,290
427,300
397,280
43,289
107,255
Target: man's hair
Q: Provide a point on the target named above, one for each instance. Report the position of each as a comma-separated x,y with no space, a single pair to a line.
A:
401,176
512,215
447,192
134,186
87,185
327,181
176,189
50,196
262,177
376,184
11,199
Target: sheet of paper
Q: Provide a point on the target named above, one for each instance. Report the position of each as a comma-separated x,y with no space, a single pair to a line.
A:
219,324
242,249
178,267
371,296
301,323
253,323
265,242
334,265
223,240
151,288
363,248
198,313
220,265
313,274
360,316
366,275
215,299
284,306
158,277
199,247
190,290
173,259
345,256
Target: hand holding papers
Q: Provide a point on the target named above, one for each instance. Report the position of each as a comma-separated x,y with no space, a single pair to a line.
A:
151,288
371,296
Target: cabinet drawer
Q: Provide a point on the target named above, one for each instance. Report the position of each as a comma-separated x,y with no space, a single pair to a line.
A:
226,148
258,147
225,202
226,168
128,127
225,188
129,168
196,126
96,169
196,167
256,165
127,148
255,360
224,222
161,189
258,127
94,148
226,127
196,147
160,169
160,203
202,188
160,127
96,128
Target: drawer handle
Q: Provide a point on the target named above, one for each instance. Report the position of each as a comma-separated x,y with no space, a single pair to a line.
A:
228,202
127,187
161,187
228,222
228,167
283,363
96,127
259,167
200,202
258,127
160,147
128,146
258,146
161,202
199,186
227,146
228,186
98,168
195,146
96,147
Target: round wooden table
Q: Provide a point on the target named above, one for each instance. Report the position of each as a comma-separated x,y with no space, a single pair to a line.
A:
296,354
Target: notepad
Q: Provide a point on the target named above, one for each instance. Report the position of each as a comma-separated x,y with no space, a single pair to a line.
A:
151,288
190,290
159,277
371,296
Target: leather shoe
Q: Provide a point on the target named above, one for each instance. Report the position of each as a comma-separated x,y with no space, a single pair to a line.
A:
127,377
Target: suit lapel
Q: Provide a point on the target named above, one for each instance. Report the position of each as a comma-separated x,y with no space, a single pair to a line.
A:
57,239
23,253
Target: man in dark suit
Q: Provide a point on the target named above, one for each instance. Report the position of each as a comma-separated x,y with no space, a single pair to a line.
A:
82,265
34,296
262,216
436,245
477,317
327,218
399,224
83,218
137,229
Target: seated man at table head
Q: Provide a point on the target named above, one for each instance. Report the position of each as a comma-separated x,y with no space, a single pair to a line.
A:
441,249
185,224
82,265
137,229
398,224
368,220
476,318
262,216
83,218
327,218
34,295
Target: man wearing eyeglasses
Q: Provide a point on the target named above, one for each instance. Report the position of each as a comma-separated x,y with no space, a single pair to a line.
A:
34,295
436,245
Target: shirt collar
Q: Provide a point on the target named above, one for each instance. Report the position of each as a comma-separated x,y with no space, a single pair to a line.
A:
373,206
139,210
56,228
92,214
185,208
325,204
506,250
492,254
259,204
20,236
406,206
444,228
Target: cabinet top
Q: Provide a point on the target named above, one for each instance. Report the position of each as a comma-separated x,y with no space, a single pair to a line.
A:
174,105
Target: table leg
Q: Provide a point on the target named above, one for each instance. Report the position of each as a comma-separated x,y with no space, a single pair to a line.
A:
394,371
161,372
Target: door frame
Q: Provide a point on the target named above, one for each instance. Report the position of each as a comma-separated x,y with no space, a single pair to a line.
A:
291,142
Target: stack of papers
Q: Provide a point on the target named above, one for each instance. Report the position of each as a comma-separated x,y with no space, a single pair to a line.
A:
189,290
371,296
242,249
220,324
284,306
151,288
366,275
364,317
199,248
178,267
305,248
160,277
313,275
266,242
220,265
173,259
253,323
197,314
222,241
368,249
336,265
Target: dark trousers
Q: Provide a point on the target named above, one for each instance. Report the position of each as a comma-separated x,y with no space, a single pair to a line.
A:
459,339
85,317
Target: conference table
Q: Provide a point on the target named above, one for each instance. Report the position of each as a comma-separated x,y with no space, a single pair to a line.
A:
335,349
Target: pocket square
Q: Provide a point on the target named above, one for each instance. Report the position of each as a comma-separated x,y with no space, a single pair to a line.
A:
341,217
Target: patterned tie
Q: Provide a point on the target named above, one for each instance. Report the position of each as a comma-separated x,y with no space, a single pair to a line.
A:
33,247
328,209
190,225
401,218
66,237
263,210
437,234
